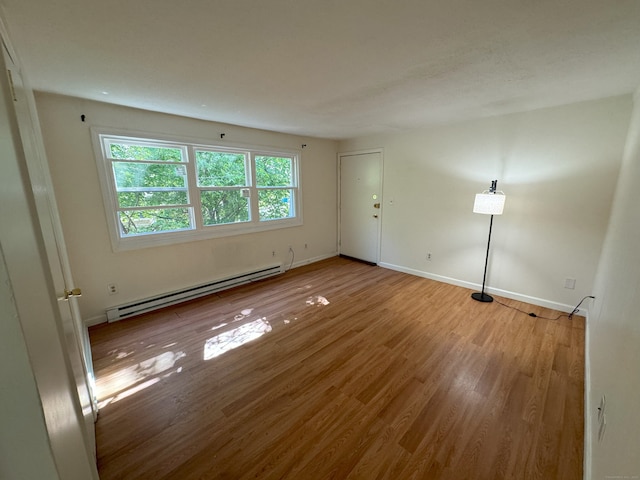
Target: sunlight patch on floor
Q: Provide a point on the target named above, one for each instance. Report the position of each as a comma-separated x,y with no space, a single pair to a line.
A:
216,346
248,331
134,378
317,300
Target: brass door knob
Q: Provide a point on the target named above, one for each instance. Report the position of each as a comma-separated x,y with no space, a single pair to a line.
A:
76,292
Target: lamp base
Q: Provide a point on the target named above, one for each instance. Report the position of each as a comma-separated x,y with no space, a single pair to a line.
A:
482,297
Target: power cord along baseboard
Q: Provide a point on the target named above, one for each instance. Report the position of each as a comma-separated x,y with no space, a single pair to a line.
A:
535,315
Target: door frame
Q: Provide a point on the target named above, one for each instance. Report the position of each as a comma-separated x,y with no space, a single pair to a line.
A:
381,186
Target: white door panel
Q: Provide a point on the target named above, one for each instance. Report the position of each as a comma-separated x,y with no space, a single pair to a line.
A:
74,330
360,201
31,261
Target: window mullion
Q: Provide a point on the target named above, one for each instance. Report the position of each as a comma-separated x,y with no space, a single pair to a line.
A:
194,192
253,189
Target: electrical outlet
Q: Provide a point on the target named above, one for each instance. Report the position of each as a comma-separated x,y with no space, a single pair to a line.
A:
112,288
429,256
306,246
273,254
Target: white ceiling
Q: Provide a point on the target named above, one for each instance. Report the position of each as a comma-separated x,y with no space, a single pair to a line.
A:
330,68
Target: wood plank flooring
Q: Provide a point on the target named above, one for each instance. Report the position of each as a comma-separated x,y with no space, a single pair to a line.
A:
341,370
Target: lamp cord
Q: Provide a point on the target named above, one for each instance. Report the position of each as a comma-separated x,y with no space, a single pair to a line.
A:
293,256
532,314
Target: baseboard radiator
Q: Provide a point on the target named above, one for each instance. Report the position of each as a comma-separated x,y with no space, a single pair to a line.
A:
189,293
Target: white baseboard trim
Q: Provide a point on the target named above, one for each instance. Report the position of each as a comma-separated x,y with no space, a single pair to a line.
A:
495,291
308,261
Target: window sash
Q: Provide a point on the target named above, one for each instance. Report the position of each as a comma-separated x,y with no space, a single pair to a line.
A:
144,143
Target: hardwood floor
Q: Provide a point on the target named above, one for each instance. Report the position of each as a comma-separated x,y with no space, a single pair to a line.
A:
341,370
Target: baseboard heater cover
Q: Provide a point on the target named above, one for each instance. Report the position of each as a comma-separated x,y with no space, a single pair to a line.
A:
159,301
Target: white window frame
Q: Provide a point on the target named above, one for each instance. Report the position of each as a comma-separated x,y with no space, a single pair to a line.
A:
198,231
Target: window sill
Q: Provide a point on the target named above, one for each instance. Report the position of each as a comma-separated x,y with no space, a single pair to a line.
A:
185,236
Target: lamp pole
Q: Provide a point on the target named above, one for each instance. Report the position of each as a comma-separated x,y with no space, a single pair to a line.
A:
481,296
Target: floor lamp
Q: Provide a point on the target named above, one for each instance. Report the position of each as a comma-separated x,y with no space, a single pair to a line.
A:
489,202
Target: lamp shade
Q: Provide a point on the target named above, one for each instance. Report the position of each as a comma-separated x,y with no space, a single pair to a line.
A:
489,203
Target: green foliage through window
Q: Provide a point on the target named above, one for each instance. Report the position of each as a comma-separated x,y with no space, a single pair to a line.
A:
151,199
275,204
274,171
122,151
218,169
161,187
224,206
136,222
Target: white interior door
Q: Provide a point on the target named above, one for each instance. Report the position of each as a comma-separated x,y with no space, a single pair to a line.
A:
75,331
360,202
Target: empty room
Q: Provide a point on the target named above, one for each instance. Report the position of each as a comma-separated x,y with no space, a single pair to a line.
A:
319,239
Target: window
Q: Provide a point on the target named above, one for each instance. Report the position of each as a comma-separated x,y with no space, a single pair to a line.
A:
274,180
223,185
158,192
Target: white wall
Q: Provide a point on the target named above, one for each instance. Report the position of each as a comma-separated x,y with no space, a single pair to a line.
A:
558,168
141,273
613,350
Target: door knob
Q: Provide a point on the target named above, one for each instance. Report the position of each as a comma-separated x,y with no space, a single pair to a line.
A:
376,205
375,215
76,292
